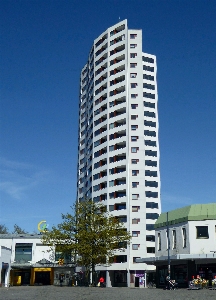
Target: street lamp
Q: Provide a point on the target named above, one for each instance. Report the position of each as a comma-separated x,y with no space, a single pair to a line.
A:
168,240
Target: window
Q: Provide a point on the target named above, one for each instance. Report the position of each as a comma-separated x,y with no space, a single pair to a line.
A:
148,68
150,249
174,239
133,117
151,183
149,114
135,172
150,173
23,251
159,241
135,221
148,59
184,236
135,258
148,95
135,208
111,148
149,123
134,106
133,55
135,246
151,153
133,45
148,86
135,184
150,143
151,205
202,232
133,96
151,163
133,85
135,196
149,226
152,216
134,161
149,133
133,65
134,127
133,75
111,126
148,77
134,149
134,138
150,238
133,35
149,104
135,233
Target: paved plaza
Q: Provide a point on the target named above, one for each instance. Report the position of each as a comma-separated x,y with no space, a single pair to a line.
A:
82,293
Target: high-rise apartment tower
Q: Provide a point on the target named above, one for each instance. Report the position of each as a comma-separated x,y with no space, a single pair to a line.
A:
118,159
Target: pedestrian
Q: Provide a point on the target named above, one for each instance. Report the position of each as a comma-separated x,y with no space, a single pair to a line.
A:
61,280
101,281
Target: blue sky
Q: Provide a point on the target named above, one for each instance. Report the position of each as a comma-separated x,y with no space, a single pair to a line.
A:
45,44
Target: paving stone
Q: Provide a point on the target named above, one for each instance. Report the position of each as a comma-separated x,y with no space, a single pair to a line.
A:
89,293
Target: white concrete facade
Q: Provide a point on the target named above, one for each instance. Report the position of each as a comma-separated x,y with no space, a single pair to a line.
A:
35,251
5,261
187,239
118,152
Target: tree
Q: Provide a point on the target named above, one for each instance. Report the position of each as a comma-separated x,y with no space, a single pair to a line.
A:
90,233
18,230
3,229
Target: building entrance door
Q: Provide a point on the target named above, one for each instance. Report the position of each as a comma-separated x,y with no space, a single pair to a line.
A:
42,278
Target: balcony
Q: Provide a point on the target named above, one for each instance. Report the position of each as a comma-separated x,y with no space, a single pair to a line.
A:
100,120
117,135
117,146
117,50
117,158
117,80
117,170
117,60
117,30
101,69
101,40
100,109
117,40
100,130
117,91
117,70
117,112
102,49
117,194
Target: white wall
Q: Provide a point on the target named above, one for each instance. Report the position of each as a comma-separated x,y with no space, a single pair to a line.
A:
193,245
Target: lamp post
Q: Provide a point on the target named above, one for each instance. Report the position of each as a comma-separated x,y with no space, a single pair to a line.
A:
168,250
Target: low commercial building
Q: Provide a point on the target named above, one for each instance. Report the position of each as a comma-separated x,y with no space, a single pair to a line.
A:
190,233
5,258
26,261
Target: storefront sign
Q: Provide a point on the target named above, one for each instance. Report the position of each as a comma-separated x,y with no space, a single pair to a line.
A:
43,226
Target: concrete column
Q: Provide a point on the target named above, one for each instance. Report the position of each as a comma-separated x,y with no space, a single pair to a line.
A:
128,278
108,281
7,277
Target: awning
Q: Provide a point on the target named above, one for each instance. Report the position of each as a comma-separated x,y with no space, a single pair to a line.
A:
155,259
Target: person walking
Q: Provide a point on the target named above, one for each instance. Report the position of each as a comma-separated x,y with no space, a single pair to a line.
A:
101,280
